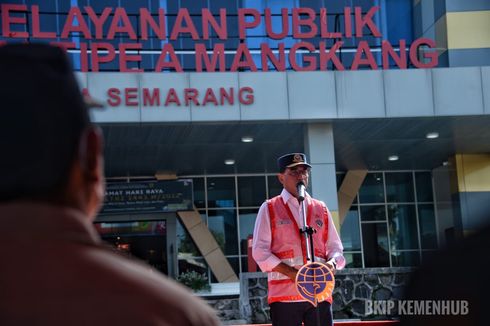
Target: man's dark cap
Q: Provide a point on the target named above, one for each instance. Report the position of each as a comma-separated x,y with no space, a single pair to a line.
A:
43,115
291,160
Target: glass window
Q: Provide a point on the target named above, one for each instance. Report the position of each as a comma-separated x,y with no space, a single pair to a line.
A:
399,187
245,263
251,191
423,182
375,245
373,213
188,62
403,227
185,245
145,240
199,197
194,6
275,187
230,6
349,232
246,218
405,258
222,224
353,260
372,190
221,192
427,223
48,21
398,21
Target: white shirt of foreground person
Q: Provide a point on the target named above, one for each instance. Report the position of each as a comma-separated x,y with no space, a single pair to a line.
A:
262,235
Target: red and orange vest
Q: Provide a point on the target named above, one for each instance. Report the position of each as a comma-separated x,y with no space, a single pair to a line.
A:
288,244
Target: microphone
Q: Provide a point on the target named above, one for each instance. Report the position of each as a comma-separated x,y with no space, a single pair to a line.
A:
300,187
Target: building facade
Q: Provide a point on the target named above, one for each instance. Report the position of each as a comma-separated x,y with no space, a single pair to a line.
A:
389,99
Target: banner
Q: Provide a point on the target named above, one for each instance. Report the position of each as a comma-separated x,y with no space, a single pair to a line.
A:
148,197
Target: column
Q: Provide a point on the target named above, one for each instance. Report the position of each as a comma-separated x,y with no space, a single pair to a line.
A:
471,202
460,28
319,148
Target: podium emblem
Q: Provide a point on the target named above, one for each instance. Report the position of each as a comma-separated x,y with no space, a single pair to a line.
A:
315,282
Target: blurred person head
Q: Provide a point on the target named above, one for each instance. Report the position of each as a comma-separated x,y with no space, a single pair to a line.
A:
50,150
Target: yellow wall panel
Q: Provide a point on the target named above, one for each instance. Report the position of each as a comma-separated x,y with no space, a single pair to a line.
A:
348,191
473,172
468,30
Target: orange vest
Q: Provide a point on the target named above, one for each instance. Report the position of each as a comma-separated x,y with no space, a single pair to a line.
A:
288,244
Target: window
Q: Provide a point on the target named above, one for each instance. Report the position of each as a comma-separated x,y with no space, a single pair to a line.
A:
427,225
398,228
251,191
146,240
223,226
373,213
350,232
403,227
274,186
221,192
392,224
423,181
375,244
372,190
246,219
228,205
399,187
199,194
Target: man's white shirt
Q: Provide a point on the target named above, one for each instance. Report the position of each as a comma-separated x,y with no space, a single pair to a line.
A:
262,235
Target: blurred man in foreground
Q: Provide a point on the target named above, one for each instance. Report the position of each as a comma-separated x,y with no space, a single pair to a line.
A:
54,269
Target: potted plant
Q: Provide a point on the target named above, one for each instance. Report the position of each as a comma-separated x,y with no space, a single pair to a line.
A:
196,281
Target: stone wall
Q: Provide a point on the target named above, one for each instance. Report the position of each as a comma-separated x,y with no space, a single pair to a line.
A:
227,308
353,286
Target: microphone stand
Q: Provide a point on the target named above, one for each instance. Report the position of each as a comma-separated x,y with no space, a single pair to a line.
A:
307,231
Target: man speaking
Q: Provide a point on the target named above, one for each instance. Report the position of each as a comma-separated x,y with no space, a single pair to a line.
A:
280,249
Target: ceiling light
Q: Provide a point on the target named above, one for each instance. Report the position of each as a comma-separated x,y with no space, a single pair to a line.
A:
393,158
432,135
229,162
247,139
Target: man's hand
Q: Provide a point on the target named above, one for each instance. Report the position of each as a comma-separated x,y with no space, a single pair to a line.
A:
332,265
287,270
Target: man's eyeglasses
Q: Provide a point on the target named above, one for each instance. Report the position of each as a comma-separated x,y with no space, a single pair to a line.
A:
297,173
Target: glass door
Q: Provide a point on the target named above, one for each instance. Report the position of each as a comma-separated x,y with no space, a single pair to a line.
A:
145,240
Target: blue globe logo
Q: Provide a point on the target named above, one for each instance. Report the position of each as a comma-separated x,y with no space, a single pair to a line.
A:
315,282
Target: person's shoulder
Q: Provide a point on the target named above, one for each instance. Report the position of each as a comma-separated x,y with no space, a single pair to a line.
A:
269,201
140,286
273,199
319,202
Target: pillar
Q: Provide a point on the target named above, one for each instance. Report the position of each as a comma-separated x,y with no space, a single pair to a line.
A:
460,28
471,201
319,147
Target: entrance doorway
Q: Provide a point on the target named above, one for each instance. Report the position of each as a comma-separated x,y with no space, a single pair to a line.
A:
145,240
